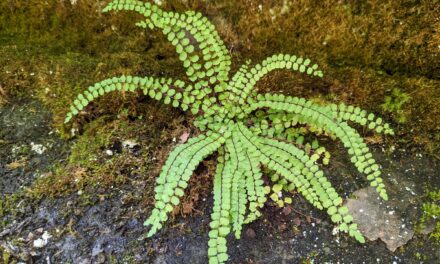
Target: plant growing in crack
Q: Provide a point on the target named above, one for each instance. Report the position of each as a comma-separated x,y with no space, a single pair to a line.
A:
247,129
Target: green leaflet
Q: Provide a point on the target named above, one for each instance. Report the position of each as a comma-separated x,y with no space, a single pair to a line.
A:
247,130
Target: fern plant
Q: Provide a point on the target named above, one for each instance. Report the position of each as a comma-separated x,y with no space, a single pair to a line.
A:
247,129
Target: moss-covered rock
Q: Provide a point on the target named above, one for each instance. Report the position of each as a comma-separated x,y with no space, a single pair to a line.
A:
53,49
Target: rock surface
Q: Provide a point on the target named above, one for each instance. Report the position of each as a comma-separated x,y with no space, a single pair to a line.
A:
376,220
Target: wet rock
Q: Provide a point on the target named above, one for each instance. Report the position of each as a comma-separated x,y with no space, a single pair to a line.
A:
183,250
376,220
27,144
69,246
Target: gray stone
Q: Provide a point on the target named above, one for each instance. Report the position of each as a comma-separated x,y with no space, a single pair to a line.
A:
376,220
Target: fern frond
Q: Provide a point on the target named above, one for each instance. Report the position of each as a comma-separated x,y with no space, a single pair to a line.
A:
168,90
292,128
300,160
178,28
324,117
310,170
233,90
220,217
293,164
256,195
238,188
361,117
284,126
287,166
246,82
175,174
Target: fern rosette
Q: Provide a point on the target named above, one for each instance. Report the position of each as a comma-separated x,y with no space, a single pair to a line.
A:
248,130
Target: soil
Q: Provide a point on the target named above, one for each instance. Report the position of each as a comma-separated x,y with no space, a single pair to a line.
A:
106,226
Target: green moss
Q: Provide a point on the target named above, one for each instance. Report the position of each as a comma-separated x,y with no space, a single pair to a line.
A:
365,50
5,256
63,25
89,146
89,167
431,212
84,163
8,207
420,256
394,104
